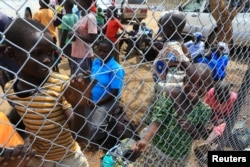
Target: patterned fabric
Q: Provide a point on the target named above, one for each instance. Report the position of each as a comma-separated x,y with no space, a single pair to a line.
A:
44,117
171,138
171,52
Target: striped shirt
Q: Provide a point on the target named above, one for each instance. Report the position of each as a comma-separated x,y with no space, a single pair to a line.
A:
44,118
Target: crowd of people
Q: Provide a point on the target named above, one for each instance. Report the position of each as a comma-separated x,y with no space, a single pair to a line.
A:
60,111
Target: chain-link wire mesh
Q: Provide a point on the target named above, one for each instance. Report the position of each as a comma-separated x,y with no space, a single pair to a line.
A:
182,109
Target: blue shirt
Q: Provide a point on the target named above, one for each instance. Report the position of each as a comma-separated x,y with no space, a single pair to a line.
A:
195,49
218,64
109,76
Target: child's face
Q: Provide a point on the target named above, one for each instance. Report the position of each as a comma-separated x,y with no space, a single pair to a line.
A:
36,64
104,51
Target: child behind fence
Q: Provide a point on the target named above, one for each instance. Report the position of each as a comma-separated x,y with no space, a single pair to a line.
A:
37,94
105,94
178,114
221,100
178,118
167,71
46,16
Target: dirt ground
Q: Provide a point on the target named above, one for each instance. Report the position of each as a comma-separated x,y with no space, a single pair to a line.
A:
139,87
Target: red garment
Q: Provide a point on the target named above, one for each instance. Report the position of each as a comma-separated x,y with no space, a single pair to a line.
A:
112,28
93,7
220,109
219,129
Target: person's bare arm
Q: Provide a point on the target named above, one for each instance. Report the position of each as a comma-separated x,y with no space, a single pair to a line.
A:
189,127
78,94
89,38
186,51
190,69
63,39
152,129
70,117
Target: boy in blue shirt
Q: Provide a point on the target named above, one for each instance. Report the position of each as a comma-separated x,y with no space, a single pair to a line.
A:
105,94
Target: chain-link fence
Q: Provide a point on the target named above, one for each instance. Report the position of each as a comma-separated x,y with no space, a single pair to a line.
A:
151,86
